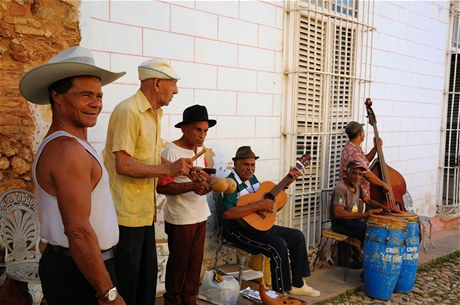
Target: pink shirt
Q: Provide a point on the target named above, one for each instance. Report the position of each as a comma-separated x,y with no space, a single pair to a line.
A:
349,153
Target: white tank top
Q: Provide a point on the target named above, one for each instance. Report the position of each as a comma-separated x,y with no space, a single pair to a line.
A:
103,217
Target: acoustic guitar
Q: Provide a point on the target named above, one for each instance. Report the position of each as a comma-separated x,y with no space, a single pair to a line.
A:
264,220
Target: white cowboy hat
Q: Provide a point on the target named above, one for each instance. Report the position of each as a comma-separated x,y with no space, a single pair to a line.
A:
75,61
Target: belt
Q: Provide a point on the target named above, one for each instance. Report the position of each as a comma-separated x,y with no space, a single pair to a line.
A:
106,254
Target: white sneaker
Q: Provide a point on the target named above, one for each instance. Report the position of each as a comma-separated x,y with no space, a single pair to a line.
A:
305,290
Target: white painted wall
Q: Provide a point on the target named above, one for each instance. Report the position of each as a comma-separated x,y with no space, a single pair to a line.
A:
226,52
409,65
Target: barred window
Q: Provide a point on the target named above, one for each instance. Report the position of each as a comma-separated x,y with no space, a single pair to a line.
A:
328,71
450,201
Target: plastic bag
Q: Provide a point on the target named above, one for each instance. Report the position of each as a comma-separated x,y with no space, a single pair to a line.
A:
217,289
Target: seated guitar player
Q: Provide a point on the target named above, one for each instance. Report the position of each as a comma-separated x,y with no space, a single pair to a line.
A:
281,244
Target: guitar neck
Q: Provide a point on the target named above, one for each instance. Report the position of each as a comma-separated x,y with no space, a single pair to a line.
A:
283,184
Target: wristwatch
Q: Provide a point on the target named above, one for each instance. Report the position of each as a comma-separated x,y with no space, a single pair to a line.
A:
111,295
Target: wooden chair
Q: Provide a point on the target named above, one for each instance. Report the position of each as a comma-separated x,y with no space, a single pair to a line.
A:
20,236
340,240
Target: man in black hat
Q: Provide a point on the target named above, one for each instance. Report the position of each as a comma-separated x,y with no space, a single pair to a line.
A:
281,244
353,151
186,209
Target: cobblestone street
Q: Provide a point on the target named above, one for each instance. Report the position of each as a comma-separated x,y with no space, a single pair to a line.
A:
436,283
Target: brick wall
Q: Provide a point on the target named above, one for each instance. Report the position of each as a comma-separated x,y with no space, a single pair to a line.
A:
228,54
31,32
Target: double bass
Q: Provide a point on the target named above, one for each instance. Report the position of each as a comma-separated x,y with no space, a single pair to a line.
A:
392,199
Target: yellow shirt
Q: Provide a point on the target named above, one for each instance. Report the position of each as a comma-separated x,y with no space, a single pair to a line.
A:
134,128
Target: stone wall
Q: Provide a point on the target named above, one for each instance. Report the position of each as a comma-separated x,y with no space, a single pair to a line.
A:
31,32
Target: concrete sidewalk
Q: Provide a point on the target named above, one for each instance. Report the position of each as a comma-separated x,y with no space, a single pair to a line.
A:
330,280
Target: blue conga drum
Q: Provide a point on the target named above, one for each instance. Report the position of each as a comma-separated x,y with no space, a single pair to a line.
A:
383,255
406,278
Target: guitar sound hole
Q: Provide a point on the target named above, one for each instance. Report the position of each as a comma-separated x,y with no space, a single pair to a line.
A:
269,196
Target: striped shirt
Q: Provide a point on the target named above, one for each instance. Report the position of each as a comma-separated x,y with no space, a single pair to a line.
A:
242,188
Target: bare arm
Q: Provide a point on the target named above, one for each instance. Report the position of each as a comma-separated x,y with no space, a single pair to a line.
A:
238,212
340,212
73,192
372,178
175,188
128,166
370,156
375,205
372,203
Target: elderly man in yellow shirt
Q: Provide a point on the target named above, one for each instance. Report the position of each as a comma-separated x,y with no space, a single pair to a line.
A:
132,156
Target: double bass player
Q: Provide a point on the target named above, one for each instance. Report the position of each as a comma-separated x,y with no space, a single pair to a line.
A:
353,151
383,183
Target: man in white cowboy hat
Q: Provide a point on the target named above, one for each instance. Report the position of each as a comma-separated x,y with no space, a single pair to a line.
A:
186,210
75,206
285,246
133,159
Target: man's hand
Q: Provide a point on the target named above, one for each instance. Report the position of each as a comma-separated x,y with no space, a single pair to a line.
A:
179,167
372,212
201,188
196,174
379,142
118,301
386,187
294,173
267,205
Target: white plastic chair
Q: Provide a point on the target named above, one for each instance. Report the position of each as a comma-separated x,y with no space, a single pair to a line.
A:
20,236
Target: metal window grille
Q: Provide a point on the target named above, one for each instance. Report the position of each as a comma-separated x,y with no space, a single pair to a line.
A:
450,201
328,71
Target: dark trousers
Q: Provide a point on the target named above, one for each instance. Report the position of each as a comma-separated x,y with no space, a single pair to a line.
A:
63,283
355,228
281,245
136,265
186,247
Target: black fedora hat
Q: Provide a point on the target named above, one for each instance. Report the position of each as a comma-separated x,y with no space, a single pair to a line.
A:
244,152
195,113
